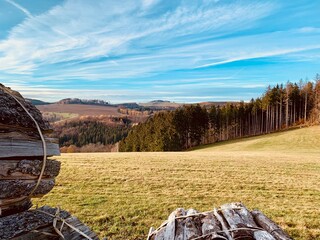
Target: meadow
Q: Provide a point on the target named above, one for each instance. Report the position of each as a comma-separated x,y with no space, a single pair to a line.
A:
121,195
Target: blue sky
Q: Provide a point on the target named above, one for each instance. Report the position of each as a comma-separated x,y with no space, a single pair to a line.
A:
142,50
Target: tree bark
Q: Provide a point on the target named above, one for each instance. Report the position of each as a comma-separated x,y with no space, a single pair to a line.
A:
19,188
33,224
27,169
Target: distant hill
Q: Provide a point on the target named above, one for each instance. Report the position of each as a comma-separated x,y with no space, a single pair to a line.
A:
80,109
161,104
152,105
132,105
37,102
83,101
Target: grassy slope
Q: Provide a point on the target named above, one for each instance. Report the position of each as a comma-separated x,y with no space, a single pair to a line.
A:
122,194
297,140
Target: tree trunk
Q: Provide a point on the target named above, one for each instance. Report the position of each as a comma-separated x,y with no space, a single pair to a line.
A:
305,107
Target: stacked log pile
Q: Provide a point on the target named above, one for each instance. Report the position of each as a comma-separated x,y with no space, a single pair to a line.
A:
25,172
21,154
229,222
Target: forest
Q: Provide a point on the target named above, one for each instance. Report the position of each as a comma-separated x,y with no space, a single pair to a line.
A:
88,135
279,108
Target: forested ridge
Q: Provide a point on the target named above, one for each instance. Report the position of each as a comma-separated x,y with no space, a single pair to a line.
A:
88,135
280,107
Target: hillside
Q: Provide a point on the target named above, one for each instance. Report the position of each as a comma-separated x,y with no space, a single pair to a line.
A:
297,140
80,109
37,102
120,195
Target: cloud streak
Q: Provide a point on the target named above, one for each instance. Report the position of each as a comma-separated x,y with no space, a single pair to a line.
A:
131,44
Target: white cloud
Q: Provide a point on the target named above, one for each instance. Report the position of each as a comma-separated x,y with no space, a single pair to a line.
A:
80,31
148,3
111,41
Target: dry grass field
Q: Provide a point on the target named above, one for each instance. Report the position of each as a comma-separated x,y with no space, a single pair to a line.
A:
121,195
80,109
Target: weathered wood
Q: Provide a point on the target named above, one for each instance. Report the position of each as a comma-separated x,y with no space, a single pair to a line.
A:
236,216
20,223
12,206
13,114
71,234
19,188
171,226
180,224
160,234
28,169
192,225
270,226
223,223
210,224
263,235
25,148
229,222
43,233
34,224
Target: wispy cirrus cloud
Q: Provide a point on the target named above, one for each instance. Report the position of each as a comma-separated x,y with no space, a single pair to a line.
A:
119,43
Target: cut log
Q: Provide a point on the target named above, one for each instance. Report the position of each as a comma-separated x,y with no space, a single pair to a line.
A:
14,115
27,169
35,224
270,226
160,234
210,224
223,223
180,224
192,225
229,222
71,234
20,188
238,216
12,206
263,235
25,148
171,226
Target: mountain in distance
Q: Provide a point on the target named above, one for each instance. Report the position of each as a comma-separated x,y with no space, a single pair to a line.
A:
163,104
37,102
129,105
83,101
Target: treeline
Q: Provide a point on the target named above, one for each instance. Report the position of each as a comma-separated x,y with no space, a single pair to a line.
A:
82,133
280,107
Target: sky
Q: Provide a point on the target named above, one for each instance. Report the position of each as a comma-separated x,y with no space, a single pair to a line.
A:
143,50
